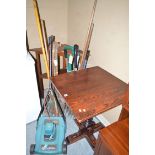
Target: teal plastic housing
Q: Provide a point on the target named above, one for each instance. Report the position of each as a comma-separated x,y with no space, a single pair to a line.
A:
50,135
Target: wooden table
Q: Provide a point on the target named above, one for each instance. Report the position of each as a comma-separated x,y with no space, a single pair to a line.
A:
114,139
88,93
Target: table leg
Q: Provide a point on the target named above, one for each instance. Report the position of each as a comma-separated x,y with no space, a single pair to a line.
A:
124,114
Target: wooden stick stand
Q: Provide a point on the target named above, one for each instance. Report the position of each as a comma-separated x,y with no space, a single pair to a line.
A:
86,130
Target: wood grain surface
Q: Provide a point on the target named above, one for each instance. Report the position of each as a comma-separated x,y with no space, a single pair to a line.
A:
114,139
125,106
90,91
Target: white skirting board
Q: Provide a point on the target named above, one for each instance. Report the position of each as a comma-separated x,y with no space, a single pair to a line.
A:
110,116
103,120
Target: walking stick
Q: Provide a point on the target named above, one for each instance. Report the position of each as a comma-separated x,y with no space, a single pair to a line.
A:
45,39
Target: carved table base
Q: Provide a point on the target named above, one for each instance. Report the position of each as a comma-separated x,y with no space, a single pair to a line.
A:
86,130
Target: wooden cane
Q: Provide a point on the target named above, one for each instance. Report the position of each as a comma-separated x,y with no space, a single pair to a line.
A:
88,37
45,38
36,12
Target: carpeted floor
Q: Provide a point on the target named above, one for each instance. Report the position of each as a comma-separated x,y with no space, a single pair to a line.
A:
79,148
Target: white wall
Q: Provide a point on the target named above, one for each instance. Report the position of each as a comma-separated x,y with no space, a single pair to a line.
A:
109,45
55,14
79,12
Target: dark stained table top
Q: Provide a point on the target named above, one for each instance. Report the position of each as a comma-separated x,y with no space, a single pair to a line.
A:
90,92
